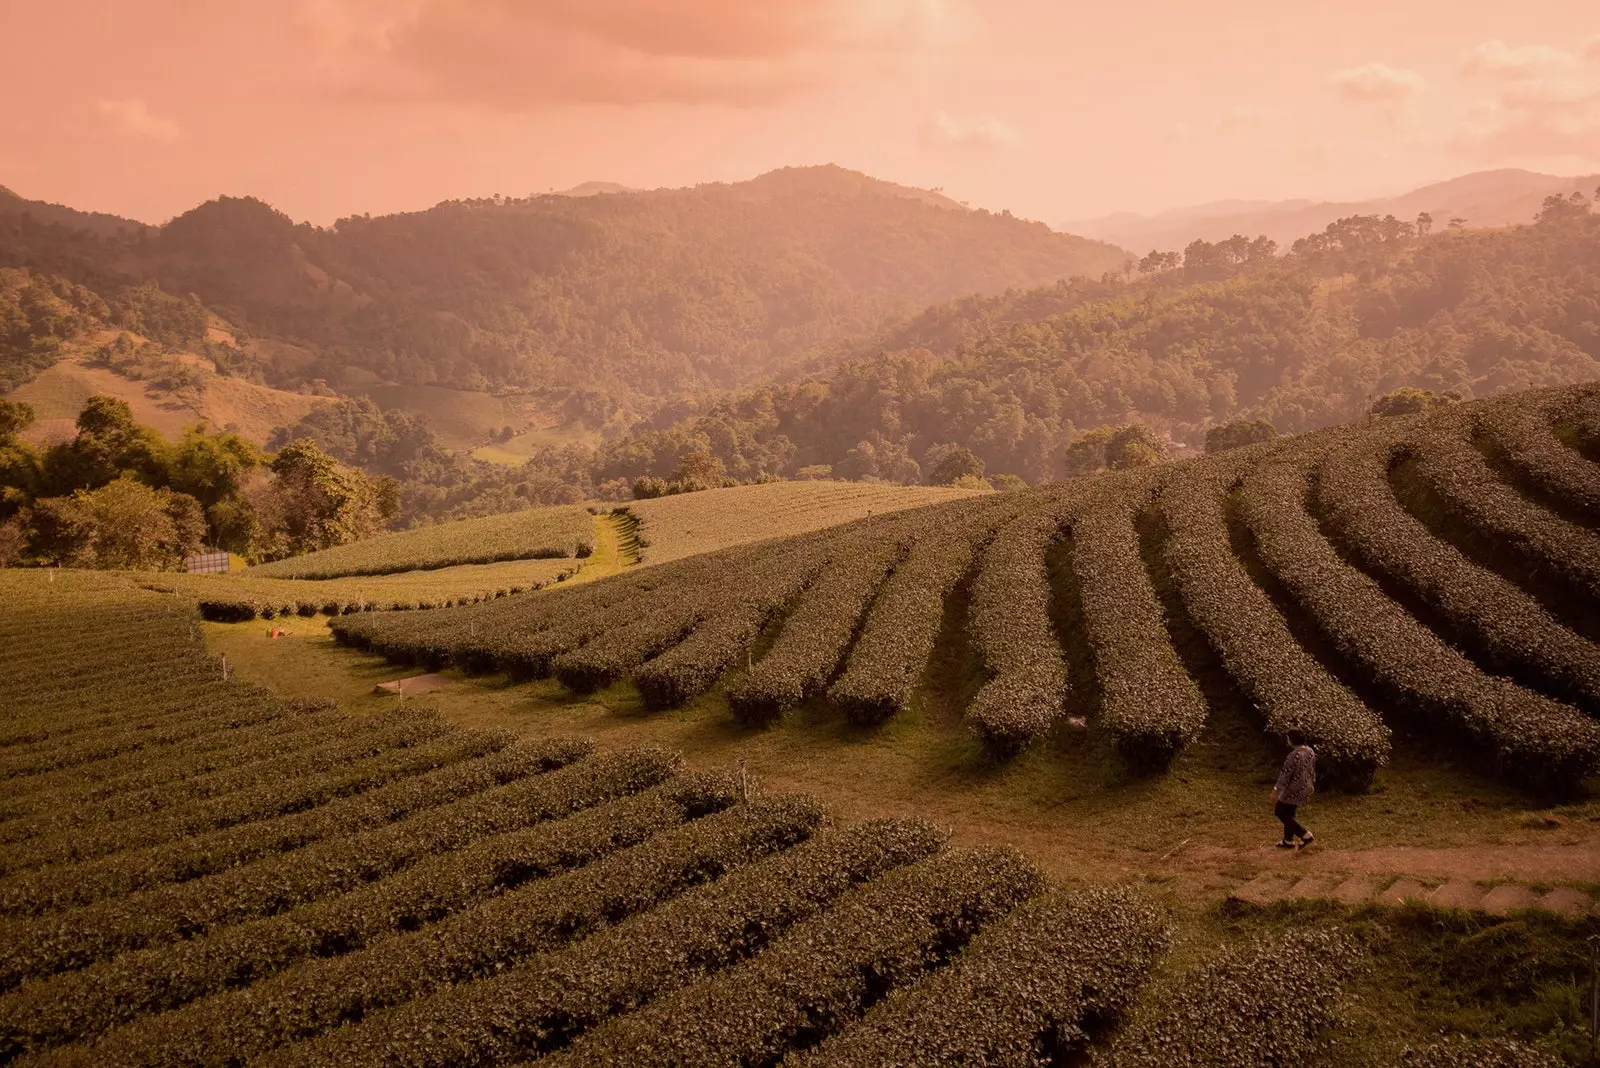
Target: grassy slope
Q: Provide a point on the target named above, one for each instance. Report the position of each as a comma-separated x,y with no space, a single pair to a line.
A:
58,394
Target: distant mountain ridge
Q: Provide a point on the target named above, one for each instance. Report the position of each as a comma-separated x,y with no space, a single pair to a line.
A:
1484,199
620,296
96,222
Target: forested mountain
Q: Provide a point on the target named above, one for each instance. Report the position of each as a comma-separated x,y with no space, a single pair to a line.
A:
1505,197
641,294
1227,331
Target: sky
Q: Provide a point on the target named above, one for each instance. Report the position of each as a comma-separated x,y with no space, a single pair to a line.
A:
1052,109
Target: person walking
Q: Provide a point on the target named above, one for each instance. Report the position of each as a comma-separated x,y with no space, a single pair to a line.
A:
1296,783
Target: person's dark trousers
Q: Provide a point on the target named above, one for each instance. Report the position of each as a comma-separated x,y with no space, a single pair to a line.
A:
1291,826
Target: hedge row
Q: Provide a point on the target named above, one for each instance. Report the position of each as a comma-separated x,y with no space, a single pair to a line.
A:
216,711
745,603
443,814
436,747
893,650
1536,542
1030,990
531,534
817,634
544,1004
1493,619
1285,683
1149,706
1014,634
319,995
303,722
820,976
78,1005
1520,432
1264,1003
352,740
1533,740
187,859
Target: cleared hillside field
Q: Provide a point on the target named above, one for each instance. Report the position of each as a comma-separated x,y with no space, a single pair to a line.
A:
536,533
684,524
58,395
1387,580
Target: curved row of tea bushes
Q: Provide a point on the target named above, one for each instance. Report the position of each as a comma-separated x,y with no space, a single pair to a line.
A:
1149,706
77,1005
892,651
1287,685
1521,433
1529,738
1472,496
443,813
1028,990
435,746
185,859
531,534
817,634
1269,1002
819,977
548,1001
1014,634
1494,619
320,995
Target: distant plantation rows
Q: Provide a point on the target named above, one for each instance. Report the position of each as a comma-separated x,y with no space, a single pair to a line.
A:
198,872
1437,573
533,534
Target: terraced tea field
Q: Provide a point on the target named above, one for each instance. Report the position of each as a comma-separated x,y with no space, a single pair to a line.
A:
1431,576
199,872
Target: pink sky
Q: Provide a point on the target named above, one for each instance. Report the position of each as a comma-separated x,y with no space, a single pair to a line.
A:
1055,109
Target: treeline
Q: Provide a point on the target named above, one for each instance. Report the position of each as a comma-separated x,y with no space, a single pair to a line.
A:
1297,341
118,495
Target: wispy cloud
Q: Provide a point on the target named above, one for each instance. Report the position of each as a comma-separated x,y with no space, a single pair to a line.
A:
133,118
1394,90
1539,101
512,54
984,133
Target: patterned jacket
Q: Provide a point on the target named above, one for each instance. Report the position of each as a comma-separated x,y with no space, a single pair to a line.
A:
1298,776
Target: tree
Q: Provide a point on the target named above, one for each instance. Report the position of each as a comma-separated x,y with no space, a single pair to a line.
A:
1239,433
947,463
699,470
1559,210
1424,224
1408,400
108,445
1118,448
1008,483
210,467
315,503
15,417
124,525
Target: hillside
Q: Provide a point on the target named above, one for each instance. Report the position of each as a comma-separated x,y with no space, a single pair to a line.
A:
1484,199
1437,572
1303,340
203,869
589,300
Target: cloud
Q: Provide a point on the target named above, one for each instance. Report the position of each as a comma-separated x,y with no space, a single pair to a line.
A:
1540,101
515,54
132,118
985,133
1379,83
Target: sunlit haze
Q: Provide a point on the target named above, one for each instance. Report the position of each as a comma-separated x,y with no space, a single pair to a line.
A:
1054,110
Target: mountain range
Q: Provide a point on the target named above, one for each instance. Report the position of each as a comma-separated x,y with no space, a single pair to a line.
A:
1485,199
